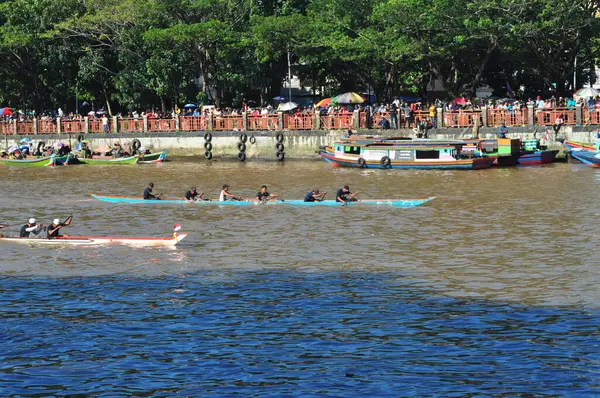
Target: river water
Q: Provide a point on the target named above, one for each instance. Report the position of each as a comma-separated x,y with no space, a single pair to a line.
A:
491,289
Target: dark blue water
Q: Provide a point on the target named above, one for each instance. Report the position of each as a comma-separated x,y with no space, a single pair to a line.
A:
285,333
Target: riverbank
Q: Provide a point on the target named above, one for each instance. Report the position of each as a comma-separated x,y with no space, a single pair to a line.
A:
297,144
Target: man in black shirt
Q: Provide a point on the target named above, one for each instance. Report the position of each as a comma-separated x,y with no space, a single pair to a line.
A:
344,195
192,195
54,228
148,193
263,195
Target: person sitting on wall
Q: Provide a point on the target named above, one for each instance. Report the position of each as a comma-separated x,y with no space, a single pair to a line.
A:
502,130
383,123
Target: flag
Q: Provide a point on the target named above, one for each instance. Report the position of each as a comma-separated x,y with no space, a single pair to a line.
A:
509,90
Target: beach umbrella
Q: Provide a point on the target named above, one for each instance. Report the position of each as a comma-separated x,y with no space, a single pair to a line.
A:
5,112
190,106
25,140
324,102
348,98
460,101
288,106
587,92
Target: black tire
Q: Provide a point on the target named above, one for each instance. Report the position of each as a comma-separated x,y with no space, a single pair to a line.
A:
208,155
208,146
385,161
208,137
361,162
241,146
136,144
279,137
279,147
281,156
41,146
252,139
80,138
243,137
242,157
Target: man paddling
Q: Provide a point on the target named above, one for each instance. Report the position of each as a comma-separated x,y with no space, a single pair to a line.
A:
315,196
148,195
344,195
54,229
264,196
226,195
192,195
31,230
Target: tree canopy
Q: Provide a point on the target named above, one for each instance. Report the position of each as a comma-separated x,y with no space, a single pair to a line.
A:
133,54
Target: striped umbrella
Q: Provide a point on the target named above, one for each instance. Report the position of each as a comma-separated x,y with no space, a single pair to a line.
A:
348,98
324,102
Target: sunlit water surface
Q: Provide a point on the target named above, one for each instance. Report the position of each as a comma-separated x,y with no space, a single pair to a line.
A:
491,289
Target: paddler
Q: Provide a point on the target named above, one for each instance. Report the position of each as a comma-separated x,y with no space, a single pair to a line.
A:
264,196
344,195
54,229
315,196
148,193
226,195
192,195
31,230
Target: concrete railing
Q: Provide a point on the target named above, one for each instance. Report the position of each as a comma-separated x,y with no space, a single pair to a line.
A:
486,117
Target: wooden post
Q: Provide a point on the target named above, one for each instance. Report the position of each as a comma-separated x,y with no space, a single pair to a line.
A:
531,109
115,120
578,114
440,117
280,121
484,116
86,124
145,120
244,121
317,123
35,125
356,121
15,127
58,125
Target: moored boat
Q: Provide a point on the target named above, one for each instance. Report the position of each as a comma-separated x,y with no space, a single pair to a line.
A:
388,202
534,154
157,157
394,154
591,157
97,240
45,161
575,145
103,160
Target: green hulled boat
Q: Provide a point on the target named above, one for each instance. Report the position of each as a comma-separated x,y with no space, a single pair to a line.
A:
109,160
44,161
157,157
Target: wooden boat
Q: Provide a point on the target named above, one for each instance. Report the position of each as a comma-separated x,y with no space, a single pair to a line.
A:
392,154
534,154
575,145
103,160
44,161
587,156
96,240
165,201
157,157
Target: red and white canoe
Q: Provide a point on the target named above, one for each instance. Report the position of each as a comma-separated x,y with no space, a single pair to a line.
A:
97,240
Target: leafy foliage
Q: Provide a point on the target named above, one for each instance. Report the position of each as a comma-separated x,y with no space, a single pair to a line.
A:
132,54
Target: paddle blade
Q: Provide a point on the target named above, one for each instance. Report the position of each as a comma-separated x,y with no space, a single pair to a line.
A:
176,227
67,222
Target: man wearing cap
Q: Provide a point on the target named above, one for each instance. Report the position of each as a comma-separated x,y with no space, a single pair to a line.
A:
344,195
148,193
54,228
192,195
226,195
31,229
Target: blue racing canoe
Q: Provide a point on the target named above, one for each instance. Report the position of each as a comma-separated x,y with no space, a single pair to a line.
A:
389,202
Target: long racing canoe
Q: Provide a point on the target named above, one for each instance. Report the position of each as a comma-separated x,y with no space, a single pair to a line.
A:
97,240
389,202
157,157
44,161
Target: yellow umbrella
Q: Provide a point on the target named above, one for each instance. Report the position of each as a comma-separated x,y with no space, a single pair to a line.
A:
348,98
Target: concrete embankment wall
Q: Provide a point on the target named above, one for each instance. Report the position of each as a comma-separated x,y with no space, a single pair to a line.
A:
298,144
